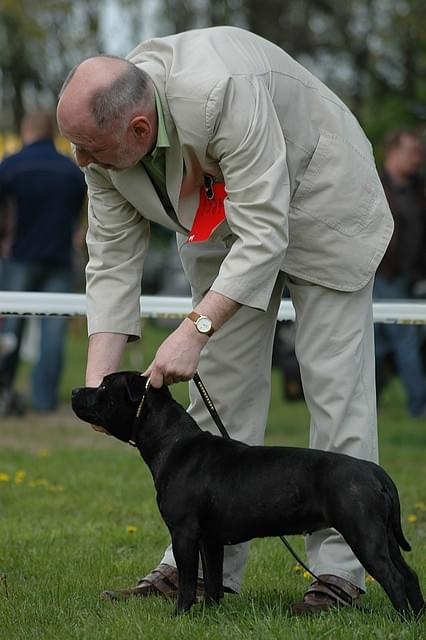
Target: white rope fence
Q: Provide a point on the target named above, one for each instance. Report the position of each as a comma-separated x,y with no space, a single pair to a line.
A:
74,304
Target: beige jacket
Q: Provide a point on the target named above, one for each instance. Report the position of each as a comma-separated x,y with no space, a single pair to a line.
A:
303,192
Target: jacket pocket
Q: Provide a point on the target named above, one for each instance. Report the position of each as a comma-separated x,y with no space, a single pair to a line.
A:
340,186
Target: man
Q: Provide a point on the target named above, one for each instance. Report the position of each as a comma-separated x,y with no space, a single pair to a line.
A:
402,265
42,194
164,136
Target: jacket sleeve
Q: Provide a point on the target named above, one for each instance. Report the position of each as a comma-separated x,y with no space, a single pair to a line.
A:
117,242
247,140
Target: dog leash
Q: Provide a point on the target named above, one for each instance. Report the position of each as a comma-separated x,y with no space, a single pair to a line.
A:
341,595
210,406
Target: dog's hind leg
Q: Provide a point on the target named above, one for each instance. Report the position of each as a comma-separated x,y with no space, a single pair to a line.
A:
374,555
412,585
185,551
212,560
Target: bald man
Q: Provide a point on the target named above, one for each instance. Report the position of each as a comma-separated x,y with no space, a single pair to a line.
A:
267,178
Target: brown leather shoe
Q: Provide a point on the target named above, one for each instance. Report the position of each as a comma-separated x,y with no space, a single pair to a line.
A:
161,581
331,593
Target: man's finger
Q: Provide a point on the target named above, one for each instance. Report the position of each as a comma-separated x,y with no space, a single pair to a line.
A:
156,379
147,372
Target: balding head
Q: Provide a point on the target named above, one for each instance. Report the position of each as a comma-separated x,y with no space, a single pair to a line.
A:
102,97
105,89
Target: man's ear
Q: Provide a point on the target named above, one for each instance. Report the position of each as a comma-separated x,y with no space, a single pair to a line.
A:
141,128
135,387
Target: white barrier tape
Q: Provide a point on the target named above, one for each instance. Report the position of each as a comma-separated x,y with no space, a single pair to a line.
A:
18,303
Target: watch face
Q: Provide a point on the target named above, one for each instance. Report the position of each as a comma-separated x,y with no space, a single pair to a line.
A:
204,324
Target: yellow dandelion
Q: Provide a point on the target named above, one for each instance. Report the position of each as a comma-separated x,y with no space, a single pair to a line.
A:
4,477
131,529
20,476
369,579
307,575
412,518
43,453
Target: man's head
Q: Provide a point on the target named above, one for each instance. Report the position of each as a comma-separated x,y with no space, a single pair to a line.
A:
403,153
107,110
37,126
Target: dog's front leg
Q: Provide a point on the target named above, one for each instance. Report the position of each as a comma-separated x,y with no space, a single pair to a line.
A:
212,558
185,551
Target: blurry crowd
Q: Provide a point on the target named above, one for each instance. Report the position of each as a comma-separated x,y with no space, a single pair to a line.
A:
42,221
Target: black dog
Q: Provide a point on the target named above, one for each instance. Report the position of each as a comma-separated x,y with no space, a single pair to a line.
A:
212,491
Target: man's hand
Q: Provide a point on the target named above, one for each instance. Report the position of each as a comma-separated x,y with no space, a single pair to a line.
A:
177,358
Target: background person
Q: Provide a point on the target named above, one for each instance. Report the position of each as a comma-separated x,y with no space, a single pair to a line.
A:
43,193
402,265
221,113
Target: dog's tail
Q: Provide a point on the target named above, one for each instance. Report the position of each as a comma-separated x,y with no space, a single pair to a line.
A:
395,512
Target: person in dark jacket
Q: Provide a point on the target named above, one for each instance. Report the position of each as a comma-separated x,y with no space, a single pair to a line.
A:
41,196
401,267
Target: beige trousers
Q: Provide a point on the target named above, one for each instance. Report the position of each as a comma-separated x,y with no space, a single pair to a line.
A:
334,345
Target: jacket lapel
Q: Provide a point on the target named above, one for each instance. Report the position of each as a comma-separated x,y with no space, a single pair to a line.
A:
135,185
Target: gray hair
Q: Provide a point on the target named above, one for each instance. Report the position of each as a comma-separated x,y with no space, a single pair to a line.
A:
131,89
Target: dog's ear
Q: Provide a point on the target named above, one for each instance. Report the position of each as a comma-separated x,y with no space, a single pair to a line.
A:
135,387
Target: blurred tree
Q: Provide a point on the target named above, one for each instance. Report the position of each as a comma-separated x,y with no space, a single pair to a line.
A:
41,40
371,52
177,15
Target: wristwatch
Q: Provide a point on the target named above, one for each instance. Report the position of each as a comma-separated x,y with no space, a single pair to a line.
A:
203,323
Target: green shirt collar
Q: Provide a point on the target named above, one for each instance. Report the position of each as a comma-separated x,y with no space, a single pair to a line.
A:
162,137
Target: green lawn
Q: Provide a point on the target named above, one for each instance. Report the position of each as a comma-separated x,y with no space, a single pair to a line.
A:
78,515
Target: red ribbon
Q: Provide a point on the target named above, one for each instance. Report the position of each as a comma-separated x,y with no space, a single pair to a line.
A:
210,213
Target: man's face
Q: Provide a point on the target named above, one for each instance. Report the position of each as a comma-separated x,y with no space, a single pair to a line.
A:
409,155
109,150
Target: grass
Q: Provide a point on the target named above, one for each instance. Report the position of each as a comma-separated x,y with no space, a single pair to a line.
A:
78,515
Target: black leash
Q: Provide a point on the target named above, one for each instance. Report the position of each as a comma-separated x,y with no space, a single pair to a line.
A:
339,593
210,406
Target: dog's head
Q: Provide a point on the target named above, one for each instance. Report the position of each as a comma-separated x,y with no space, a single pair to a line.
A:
112,405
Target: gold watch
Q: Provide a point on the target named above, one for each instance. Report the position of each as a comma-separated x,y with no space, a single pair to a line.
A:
203,323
